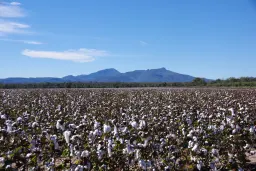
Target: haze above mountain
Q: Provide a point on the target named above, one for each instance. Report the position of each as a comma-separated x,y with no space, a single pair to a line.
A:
112,75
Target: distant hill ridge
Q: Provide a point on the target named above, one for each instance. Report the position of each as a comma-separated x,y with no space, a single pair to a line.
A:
112,75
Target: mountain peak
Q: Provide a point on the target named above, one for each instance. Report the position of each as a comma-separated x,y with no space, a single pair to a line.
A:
113,75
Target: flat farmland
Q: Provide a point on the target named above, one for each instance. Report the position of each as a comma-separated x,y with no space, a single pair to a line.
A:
128,129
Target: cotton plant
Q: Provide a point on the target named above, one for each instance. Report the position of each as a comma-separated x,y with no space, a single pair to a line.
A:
141,129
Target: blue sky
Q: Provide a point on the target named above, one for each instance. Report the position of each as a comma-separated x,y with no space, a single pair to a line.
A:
205,38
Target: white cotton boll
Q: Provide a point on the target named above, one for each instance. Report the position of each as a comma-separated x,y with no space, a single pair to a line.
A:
134,124
190,144
199,165
142,124
124,130
230,155
100,154
252,130
195,138
78,153
137,154
115,131
99,146
214,151
8,167
85,153
79,168
3,116
34,124
106,128
67,136
146,141
232,111
142,164
71,150
166,168
232,126
190,135
59,126
2,161
204,151
109,152
195,147
28,155
72,126
19,119
9,127
234,131
247,146
96,124
183,132
222,127
253,152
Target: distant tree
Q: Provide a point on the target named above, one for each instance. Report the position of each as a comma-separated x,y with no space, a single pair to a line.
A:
199,81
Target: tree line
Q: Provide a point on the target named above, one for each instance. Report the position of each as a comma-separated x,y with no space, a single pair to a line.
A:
197,82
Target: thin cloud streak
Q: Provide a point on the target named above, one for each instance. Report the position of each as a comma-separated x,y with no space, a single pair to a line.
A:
11,10
80,55
143,43
23,41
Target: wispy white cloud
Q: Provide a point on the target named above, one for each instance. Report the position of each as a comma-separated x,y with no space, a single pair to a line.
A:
23,41
8,27
8,11
142,43
80,55
11,10
15,3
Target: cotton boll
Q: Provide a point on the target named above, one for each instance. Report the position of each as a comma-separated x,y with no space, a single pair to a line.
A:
247,146
28,155
19,119
199,165
204,151
195,147
195,138
8,123
167,168
85,153
59,125
100,154
72,126
34,124
142,164
142,124
134,124
214,152
3,116
96,125
252,130
2,161
115,132
67,136
190,144
106,128
79,168
71,148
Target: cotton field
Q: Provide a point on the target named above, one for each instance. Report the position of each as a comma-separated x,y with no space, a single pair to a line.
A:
127,129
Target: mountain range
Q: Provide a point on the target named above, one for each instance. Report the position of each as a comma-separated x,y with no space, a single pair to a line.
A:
111,75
